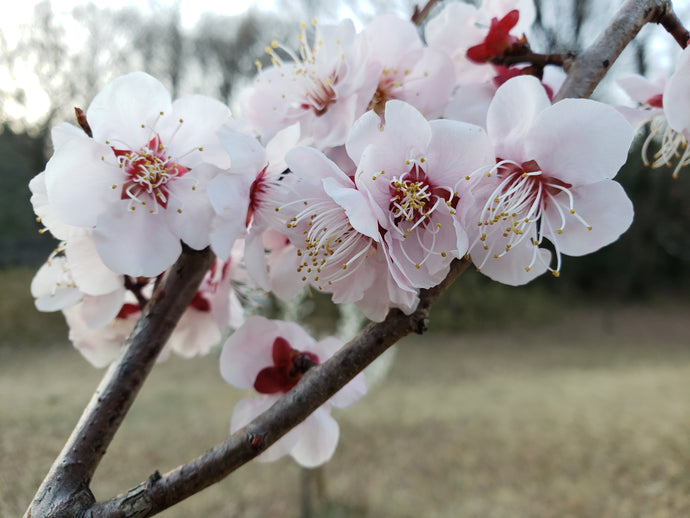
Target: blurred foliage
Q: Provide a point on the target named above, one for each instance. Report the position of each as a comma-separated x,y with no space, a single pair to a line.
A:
20,321
21,157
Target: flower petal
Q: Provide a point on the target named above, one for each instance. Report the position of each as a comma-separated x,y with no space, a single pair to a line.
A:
79,180
676,106
247,351
579,141
318,438
457,149
247,155
196,137
603,205
359,213
90,274
125,112
512,113
511,268
135,242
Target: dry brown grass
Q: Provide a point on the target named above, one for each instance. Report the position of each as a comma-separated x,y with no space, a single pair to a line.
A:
565,420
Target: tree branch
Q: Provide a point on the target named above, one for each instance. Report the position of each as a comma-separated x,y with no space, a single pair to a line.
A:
675,28
590,67
540,60
315,387
65,491
419,15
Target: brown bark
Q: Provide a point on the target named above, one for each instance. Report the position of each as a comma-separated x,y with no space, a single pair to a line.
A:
65,491
591,66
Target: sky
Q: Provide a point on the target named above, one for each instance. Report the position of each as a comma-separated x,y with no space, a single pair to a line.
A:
13,14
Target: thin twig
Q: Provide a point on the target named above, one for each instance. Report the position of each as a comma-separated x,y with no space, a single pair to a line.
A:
592,65
317,386
675,28
540,60
65,491
419,15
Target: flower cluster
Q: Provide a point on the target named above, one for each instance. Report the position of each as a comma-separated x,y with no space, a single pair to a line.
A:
663,104
363,165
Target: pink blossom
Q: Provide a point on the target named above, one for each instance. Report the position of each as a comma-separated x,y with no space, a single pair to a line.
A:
323,88
677,112
412,172
245,198
214,310
271,357
460,26
470,103
140,182
335,237
552,180
407,70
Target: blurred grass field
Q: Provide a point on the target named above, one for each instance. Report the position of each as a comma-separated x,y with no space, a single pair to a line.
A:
585,416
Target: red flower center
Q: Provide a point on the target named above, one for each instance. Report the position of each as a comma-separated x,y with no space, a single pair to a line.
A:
148,172
289,365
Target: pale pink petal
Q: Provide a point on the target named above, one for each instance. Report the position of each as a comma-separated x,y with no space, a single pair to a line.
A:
229,197
79,180
579,141
53,286
125,112
91,275
195,334
235,311
99,346
457,150
311,164
511,268
406,127
409,257
377,158
638,116
189,212
195,138
247,351
676,105
364,132
470,103
43,209
318,438
135,242
285,283
359,213
428,82
64,132
385,293
604,206
278,147
98,311
255,259
247,155
512,113
639,88
391,37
